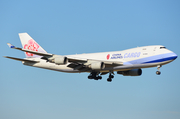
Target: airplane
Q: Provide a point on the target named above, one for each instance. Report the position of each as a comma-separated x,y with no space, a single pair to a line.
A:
127,62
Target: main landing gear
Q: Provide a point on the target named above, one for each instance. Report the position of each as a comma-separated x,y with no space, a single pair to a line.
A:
94,75
110,77
158,72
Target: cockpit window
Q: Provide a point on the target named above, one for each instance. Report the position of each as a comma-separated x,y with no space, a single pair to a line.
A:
162,47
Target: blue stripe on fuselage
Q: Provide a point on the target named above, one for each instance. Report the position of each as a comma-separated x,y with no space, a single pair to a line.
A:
155,59
162,60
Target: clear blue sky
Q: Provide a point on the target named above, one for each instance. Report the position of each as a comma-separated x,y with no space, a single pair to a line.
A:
78,26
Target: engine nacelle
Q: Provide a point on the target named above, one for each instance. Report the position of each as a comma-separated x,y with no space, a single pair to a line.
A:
58,59
133,72
97,65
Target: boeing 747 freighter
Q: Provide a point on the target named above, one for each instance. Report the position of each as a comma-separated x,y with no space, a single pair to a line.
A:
127,62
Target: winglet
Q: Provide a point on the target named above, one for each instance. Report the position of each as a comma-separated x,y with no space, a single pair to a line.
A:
10,45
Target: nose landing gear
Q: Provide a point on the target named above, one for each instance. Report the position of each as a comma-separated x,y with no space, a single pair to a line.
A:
158,72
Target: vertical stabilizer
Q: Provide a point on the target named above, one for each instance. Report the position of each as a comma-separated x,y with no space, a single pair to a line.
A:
30,44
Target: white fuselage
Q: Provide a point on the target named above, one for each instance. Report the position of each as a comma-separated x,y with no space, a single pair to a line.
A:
140,57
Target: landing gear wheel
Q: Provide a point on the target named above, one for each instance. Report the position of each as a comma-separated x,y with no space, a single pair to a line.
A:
90,77
109,79
96,78
94,75
99,77
158,72
110,76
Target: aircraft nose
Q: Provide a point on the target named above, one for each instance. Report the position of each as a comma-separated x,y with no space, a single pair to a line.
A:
174,56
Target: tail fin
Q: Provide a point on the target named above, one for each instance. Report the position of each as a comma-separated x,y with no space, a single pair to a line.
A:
30,44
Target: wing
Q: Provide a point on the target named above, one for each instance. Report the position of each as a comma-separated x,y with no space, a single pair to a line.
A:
30,51
85,64
75,59
19,59
75,62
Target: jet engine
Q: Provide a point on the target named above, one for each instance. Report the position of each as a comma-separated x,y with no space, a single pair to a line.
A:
133,72
58,59
97,65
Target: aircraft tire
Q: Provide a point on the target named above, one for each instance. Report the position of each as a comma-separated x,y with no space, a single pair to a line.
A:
95,78
158,72
90,77
109,79
99,77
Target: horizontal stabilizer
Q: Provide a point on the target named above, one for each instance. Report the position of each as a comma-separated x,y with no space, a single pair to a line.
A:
19,59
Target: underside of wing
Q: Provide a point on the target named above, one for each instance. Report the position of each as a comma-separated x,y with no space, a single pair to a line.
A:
78,66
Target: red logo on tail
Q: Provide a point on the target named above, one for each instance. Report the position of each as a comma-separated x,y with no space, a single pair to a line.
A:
31,45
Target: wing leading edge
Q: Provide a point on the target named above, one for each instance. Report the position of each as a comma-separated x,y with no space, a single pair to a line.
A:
29,51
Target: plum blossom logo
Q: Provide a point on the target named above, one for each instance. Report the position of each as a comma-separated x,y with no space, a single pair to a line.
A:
108,56
31,45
